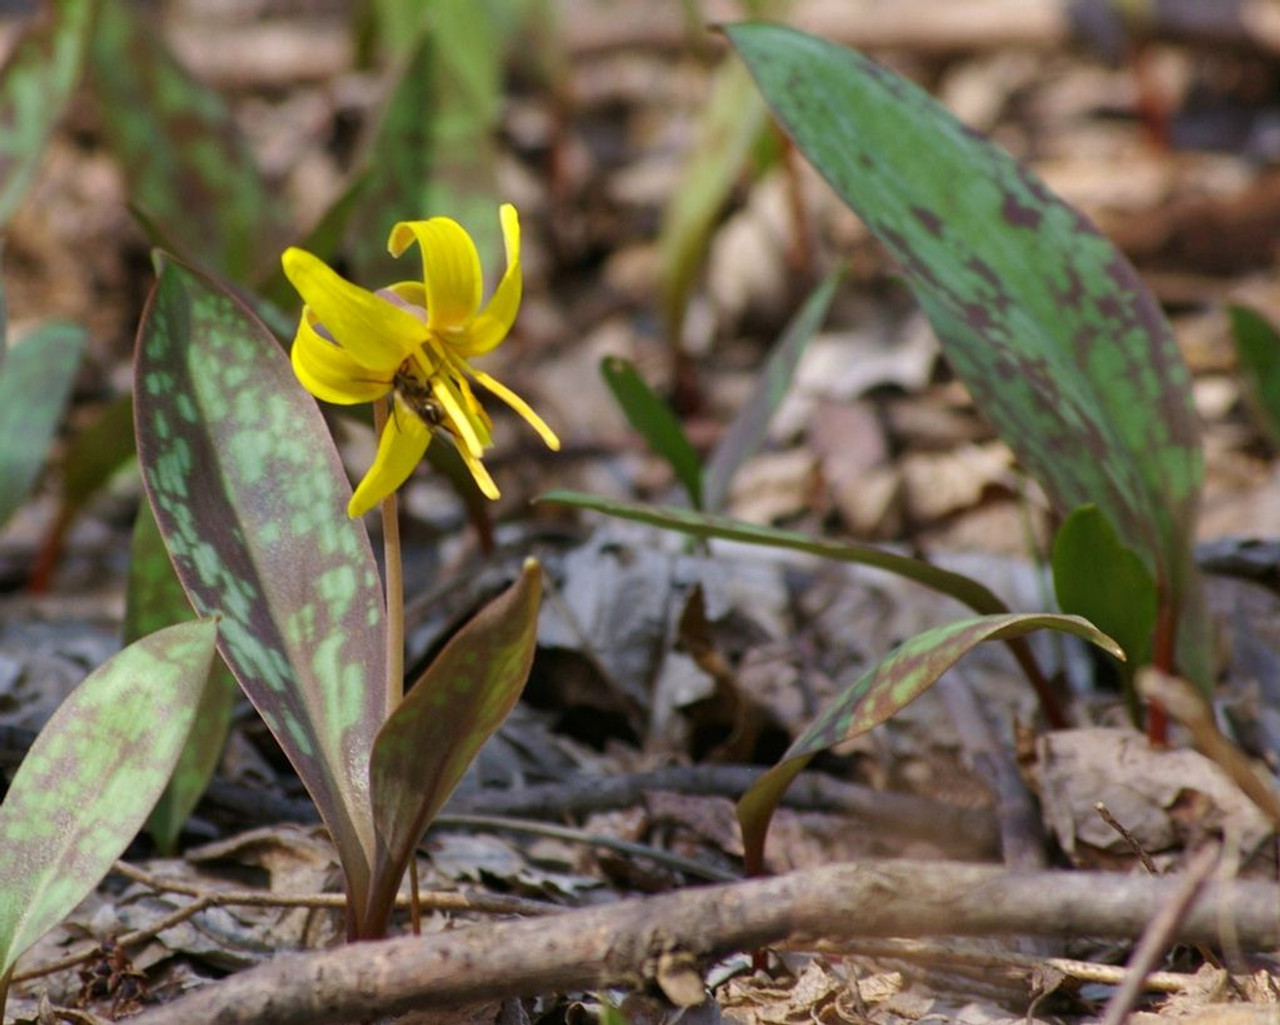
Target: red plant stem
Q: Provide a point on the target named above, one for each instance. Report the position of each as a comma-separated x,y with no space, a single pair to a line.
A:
1163,659
1049,703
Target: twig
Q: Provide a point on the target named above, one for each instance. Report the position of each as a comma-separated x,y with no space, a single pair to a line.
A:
1132,841
966,832
975,956
688,866
487,903
624,943
1158,936
1189,708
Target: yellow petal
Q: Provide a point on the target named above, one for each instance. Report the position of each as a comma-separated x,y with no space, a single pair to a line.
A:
481,475
450,269
494,322
412,292
374,332
472,434
402,445
328,372
520,406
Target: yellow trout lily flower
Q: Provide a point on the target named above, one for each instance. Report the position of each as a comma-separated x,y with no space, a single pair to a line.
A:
412,340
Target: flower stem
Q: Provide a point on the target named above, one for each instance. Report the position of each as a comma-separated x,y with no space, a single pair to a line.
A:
394,581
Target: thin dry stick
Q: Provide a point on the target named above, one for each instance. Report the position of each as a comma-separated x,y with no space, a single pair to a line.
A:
484,903
971,955
962,831
697,869
624,943
1186,705
1160,934
1132,841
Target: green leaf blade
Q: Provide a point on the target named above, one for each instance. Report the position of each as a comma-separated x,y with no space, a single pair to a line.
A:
35,382
250,496
749,426
1258,350
434,151
1100,578
655,422
186,163
733,121
705,525
1062,346
34,89
901,677
88,782
428,742
154,600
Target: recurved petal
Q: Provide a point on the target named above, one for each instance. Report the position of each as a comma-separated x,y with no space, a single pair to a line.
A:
402,445
520,406
494,322
328,372
481,475
450,269
375,332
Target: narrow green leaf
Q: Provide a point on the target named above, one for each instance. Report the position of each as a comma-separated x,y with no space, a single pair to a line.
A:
1258,350
34,88
323,240
154,600
434,149
87,783
427,743
1062,346
251,498
1100,578
894,683
750,425
185,162
733,120
35,382
98,453
655,422
704,525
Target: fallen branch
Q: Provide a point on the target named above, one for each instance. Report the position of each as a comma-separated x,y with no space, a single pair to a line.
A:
630,942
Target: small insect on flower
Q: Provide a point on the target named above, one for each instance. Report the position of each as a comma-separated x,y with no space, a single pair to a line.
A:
416,394
414,341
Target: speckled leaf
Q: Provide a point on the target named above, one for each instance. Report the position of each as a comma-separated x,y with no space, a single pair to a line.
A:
749,426
186,164
894,683
733,120
1063,347
35,382
655,422
154,600
434,149
91,776
251,499
34,88
1258,352
429,740
1098,577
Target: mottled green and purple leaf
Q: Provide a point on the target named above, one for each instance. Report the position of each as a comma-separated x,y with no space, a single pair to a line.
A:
92,775
35,382
1063,347
250,496
35,86
431,738
882,691
155,600
186,164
